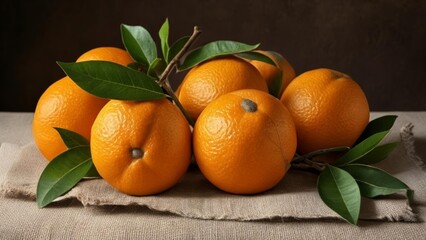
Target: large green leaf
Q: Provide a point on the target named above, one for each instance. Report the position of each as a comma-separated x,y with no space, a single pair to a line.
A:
361,149
377,125
139,43
164,39
373,181
214,49
377,154
111,80
63,173
71,139
176,47
340,192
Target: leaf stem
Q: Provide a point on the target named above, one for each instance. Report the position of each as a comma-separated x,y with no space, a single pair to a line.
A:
163,80
303,162
170,92
300,158
164,76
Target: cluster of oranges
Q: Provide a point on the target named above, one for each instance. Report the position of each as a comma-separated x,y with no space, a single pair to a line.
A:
243,139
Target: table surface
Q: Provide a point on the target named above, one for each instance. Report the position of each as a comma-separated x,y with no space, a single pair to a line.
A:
142,222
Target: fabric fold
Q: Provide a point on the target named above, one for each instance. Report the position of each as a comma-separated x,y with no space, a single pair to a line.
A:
295,197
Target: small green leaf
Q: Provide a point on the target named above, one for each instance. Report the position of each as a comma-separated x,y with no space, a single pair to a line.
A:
139,43
72,139
63,173
361,149
157,67
256,56
378,154
373,181
377,125
276,85
164,38
176,47
111,80
340,192
92,173
214,49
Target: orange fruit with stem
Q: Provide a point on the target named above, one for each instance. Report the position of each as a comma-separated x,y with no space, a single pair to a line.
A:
209,80
328,107
244,141
141,148
283,70
66,105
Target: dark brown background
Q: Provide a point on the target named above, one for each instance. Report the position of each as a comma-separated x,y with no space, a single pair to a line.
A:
381,44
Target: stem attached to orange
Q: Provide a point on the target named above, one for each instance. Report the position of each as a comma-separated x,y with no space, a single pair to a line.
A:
163,81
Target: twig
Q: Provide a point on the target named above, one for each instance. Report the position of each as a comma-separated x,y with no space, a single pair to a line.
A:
163,80
164,76
169,90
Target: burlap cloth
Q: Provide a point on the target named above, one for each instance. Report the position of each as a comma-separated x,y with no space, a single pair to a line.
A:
293,198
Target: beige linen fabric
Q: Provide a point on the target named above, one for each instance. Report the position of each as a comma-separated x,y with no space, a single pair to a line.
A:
67,219
294,198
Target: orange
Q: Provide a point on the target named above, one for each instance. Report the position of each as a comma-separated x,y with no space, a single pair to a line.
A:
211,79
270,73
244,141
328,107
141,148
66,105
111,54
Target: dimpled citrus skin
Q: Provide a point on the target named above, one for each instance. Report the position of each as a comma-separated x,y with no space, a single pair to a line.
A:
66,105
158,129
240,151
63,105
269,72
213,78
111,54
328,107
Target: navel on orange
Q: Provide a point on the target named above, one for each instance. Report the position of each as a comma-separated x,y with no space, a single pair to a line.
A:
207,81
244,141
328,107
141,148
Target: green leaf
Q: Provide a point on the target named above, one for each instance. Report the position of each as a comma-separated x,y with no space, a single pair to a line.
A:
276,85
340,192
111,80
157,67
71,139
256,56
214,49
361,149
140,67
164,38
377,125
139,43
92,173
63,173
373,181
176,47
378,154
